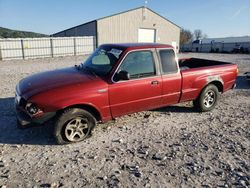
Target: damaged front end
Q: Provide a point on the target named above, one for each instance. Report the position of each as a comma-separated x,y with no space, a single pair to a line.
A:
29,114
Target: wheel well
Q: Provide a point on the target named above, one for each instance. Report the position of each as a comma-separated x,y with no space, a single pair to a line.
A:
218,84
86,107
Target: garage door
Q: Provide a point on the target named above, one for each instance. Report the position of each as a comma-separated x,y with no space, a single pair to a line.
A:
146,35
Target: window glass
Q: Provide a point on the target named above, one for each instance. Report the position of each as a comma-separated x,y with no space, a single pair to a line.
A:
168,61
102,60
139,64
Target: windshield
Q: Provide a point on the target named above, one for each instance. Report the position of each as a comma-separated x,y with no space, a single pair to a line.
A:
102,60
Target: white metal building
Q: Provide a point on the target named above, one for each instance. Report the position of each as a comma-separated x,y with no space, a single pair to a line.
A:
136,25
227,44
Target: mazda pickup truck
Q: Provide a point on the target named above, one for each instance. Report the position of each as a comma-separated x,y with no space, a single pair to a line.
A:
118,79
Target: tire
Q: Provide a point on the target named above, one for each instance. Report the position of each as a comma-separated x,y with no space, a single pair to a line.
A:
73,125
207,99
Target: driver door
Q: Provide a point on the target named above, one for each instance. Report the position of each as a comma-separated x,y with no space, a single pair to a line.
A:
142,91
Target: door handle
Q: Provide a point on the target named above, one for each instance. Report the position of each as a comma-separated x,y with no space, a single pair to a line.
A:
155,82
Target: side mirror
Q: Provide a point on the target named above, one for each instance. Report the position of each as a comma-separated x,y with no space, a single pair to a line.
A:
123,75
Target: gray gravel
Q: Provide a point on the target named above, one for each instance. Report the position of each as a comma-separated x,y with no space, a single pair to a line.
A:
168,147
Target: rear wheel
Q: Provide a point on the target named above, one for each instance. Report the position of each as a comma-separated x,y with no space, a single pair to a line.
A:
208,98
73,125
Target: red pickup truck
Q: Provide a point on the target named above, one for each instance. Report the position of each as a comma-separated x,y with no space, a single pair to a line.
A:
118,79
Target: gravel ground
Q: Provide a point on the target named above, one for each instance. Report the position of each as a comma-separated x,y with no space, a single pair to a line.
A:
168,147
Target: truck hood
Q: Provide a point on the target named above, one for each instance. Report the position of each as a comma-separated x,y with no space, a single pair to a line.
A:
45,81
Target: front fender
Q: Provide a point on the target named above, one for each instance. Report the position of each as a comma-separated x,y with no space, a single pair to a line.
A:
51,102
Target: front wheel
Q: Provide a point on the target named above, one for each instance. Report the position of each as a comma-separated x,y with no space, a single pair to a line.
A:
73,125
208,98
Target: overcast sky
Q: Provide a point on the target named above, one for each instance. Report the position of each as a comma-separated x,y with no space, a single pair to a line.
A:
216,18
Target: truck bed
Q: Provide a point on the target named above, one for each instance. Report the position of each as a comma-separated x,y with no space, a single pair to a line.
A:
197,63
196,73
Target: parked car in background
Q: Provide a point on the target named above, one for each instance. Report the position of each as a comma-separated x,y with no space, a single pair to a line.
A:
119,79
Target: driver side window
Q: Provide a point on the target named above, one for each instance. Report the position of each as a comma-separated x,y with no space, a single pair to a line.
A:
139,64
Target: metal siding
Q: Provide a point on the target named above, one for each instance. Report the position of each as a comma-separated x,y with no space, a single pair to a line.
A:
60,34
124,27
25,48
88,29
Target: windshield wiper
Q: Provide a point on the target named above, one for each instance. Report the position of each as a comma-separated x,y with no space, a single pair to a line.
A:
89,69
78,67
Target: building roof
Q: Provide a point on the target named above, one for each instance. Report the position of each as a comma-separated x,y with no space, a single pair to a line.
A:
118,14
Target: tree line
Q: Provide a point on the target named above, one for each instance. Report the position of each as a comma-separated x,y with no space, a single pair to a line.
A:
187,36
9,33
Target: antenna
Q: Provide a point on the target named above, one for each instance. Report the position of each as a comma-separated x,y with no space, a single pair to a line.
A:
144,14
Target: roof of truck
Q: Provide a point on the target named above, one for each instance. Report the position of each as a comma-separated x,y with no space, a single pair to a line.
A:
139,45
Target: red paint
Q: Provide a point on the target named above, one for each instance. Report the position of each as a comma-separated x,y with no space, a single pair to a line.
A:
55,90
194,80
135,95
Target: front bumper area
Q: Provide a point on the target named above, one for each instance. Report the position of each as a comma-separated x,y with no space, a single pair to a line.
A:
247,75
24,120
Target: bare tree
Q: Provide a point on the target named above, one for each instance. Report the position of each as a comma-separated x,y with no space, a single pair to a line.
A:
197,34
186,36
205,36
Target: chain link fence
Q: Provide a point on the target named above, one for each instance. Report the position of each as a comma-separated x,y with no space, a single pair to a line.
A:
27,48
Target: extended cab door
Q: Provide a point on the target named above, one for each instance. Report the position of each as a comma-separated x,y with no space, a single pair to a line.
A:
171,77
143,90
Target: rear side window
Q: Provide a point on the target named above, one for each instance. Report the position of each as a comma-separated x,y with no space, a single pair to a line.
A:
139,64
168,61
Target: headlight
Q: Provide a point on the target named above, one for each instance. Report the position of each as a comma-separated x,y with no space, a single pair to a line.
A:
31,108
